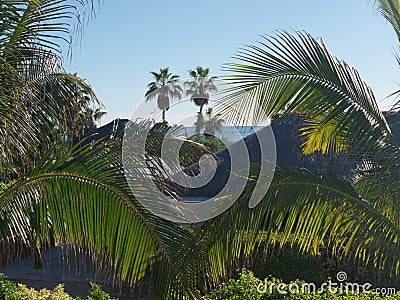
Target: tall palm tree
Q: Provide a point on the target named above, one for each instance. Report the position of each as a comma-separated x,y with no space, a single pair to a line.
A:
164,88
200,86
357,216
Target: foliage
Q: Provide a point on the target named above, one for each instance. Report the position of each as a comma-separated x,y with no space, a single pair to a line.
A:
245,288
23,292
10,291
39,101
356,216
164,87
55,193
211,125
200,87
80,195
96,293
7,289
213,143
289,263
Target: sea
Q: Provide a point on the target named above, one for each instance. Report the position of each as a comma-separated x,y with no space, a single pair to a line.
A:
229,133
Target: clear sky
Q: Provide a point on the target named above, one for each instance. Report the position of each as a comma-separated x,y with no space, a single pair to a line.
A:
130,38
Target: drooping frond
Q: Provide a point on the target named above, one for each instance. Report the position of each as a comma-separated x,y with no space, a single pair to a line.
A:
390,10
41,24
37,98
296,74
309,210
82,197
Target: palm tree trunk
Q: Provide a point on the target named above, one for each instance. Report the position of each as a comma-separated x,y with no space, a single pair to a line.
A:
37,260
163,116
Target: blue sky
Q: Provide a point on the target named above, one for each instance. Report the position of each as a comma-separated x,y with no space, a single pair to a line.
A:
130,38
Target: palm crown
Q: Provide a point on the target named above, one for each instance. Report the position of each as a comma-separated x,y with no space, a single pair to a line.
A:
213,123
164,88
37,95
200,86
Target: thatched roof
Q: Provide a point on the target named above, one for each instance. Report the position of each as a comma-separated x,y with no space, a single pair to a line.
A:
114,129
288,145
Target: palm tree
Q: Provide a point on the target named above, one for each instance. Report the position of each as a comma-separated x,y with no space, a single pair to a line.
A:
214,123
164,87
85,113
88,118
357,216
200,87
37,94
73,195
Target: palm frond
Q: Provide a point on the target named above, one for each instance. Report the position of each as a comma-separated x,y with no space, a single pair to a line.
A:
42,24
296,74
310,210
37,96
81,197
390,10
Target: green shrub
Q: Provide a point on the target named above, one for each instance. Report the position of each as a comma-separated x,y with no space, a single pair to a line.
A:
213,143
7,289
24,293
96,293
245,288
10,291
289,262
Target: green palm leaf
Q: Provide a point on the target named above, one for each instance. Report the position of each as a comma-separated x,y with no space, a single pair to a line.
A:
82,198
36,95
296,74
309,210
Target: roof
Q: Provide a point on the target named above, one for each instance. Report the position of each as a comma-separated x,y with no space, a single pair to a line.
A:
288,146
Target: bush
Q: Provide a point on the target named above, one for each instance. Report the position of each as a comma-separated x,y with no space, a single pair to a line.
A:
245,288
10,291
7,289
24,293
289,262
96,293
213,143
249,287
